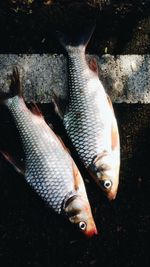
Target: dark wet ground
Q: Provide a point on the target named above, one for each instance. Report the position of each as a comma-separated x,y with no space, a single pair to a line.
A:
31,235
121,26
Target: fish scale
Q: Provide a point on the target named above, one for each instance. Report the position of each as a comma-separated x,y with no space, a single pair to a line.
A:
43,161
49,168
83,137
89,118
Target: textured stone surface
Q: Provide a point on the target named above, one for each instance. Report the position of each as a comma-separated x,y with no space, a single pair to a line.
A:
126,77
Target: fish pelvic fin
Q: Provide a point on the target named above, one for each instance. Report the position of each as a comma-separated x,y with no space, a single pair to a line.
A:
93,65
35,110
15,87
58,105
76,40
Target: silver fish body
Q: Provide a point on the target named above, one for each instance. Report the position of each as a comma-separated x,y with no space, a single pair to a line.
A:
86,122
90,121
49,168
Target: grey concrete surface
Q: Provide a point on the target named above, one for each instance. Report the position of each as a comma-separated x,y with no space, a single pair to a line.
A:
125,77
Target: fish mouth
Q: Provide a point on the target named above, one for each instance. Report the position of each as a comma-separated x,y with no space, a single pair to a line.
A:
91,232
111,195
91,229
79,213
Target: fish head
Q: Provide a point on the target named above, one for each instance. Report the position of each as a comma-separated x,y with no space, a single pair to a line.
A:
79,213
105,170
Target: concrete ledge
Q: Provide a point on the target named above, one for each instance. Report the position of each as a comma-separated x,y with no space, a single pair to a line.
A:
125,77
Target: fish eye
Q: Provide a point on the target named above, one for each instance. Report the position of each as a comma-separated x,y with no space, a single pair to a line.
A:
82,226
107,184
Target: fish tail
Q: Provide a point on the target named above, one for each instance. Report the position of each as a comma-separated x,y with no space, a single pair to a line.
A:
76,40
15,87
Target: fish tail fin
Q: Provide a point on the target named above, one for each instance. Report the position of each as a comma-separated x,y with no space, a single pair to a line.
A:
15,87
76,40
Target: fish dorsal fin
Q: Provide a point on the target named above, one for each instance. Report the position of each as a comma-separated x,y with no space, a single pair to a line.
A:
35,110
16,85
114,129
93,65
13,162
15,88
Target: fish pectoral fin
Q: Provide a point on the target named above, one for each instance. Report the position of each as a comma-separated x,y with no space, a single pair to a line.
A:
115,140
114,135
99,156
13,162
78,181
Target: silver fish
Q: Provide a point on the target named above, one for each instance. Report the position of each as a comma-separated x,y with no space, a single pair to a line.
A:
89,119
49,168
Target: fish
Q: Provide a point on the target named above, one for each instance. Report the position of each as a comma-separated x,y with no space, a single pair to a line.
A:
89,117
49,168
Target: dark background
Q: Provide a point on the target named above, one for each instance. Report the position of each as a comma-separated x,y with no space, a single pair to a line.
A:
122,26
30,234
